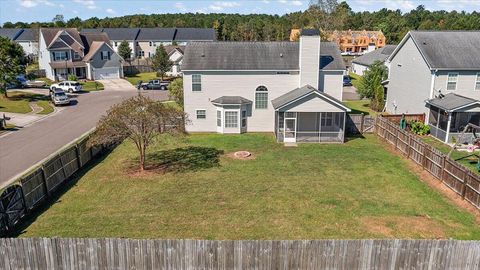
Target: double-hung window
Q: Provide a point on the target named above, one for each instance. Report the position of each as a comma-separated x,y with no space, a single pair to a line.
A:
196,82
60,56
105,55
201,114
452,81
477,81
219,118
231,119
261,97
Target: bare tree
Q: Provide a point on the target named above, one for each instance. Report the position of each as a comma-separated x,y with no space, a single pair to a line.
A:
139,119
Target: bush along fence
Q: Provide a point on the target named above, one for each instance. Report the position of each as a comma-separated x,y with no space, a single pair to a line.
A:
32,189
58,253
451,173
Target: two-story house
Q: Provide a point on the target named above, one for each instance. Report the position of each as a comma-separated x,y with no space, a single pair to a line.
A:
150,38
27,38
117,36
437,73
63,51
292,89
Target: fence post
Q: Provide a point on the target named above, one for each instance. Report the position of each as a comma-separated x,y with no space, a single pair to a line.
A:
424,156
409,146
44,177
77,151
362,123
466,174
444,161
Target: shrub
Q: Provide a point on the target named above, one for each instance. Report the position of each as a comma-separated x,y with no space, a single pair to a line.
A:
419,128
72,77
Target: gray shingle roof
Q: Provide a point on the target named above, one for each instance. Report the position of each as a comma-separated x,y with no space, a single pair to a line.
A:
122,33
301,92
153,34
451,102
455,50
195,34
10,33
380,54
310,32
255,56
231,100
28,34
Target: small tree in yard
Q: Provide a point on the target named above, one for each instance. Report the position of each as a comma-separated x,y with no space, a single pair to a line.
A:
161,62
139,119
124,50
175,91
12,60
371,87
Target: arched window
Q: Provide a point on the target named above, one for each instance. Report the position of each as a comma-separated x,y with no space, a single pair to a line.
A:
261,97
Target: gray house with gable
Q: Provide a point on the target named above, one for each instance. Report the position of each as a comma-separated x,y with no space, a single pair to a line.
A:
437,73
292,89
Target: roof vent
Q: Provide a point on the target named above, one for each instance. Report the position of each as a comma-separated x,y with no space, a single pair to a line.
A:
281,55
203,54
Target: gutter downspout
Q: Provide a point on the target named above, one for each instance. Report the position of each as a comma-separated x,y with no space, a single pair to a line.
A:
432,87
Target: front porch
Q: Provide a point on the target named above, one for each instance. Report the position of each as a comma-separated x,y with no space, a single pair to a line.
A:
450,114
61,70
308,115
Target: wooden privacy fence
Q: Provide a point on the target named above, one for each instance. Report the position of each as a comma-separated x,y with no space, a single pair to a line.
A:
359,123
29,191
58,253
451,173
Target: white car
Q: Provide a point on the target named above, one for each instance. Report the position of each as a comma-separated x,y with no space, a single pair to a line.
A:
67,86
59,97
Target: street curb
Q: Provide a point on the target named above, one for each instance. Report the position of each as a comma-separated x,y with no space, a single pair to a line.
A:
55,111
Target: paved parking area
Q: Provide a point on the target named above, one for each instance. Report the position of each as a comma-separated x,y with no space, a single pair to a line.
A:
350,93
26,146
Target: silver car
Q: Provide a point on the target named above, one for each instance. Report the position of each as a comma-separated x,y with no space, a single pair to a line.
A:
59,97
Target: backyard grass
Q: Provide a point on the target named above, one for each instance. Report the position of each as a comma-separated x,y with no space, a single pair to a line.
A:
360,106
314,191
470,162
17,102
145,77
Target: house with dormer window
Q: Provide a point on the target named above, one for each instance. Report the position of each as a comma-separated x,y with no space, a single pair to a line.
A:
87,56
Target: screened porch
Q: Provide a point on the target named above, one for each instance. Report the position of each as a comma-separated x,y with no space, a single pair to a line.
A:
310,126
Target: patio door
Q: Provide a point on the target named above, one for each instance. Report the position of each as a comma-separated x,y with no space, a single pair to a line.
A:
290,130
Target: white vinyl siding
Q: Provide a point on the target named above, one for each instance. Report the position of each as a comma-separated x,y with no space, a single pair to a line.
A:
196,82
261,98
477,81
231,119
201,114
452,81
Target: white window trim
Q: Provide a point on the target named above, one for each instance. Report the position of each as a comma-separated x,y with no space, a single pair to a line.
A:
193,83
225,118
456,81
196,114
255,98
477,79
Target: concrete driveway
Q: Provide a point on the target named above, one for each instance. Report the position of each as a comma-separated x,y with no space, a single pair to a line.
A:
117,85
350,93
23,148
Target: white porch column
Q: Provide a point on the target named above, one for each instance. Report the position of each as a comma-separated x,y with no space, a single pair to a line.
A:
448,127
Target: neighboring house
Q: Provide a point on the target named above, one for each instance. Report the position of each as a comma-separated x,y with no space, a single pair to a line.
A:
117,35
185,35
175,54
360,64
150,38
356,42
64,51
437,73
27,38
290,88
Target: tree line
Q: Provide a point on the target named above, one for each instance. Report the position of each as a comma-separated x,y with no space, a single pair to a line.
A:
326,15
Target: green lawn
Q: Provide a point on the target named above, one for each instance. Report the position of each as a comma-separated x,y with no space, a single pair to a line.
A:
17,102
314,191
90,86
355,79
360,106
145,77
470,162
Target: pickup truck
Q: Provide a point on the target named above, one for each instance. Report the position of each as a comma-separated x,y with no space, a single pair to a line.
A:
153,85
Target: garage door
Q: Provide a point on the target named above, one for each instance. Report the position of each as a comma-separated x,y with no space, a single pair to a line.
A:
106,73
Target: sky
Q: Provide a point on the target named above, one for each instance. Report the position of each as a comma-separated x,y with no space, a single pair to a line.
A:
45,10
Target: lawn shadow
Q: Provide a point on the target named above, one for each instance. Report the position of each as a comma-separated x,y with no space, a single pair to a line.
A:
354,137
30,97
184,159
55,196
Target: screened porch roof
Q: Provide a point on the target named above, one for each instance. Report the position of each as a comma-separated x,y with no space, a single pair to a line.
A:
455,103
231,100
310,99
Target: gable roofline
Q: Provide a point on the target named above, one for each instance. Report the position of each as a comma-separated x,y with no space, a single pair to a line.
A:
400,45
58,35
90,54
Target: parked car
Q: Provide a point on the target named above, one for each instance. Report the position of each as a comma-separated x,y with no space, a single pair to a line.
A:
347,81
154,85
67,86
59,97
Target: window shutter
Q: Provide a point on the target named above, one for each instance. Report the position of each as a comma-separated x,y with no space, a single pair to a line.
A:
108,55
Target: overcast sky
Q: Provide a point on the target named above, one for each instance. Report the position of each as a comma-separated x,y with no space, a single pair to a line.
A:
45,10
